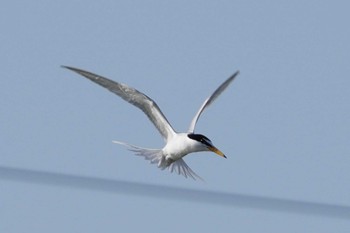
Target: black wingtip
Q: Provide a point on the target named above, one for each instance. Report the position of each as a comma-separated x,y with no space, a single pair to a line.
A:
79,71
67,67
235,74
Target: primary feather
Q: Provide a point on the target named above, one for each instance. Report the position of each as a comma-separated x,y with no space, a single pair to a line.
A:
210,100
134,97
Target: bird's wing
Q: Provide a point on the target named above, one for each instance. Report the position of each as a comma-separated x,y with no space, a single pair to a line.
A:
134,97
211,99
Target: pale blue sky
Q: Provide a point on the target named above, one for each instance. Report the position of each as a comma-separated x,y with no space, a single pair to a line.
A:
284,123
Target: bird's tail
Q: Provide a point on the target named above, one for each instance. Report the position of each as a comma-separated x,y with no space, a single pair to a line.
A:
181,168
156,156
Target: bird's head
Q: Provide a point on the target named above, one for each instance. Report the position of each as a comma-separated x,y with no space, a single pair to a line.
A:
205,143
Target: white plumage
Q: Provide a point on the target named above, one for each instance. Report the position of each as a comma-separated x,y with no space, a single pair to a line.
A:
177,144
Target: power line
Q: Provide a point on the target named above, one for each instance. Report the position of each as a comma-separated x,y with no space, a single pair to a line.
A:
176,193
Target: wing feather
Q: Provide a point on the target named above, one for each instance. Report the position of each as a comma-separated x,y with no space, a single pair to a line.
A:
210,100
134,97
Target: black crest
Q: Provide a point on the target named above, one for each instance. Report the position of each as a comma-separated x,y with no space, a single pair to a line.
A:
200,138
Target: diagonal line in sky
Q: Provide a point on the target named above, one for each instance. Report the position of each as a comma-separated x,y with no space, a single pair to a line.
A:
176,193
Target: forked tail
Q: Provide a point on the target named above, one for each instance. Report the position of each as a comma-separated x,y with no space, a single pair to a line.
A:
156,156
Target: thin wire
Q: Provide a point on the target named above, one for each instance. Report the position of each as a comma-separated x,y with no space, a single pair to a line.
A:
180,194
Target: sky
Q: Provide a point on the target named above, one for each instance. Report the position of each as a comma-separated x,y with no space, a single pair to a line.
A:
284,123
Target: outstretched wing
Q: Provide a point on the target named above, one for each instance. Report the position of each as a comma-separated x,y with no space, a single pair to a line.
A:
134,97
211,99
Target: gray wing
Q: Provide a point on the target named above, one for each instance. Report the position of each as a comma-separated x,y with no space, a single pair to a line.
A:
134,97
211,99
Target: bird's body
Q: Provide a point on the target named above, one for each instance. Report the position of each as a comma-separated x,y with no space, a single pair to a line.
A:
180,146
177,145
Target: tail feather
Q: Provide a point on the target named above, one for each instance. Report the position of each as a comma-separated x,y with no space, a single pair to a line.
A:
182,168
156,156
153,155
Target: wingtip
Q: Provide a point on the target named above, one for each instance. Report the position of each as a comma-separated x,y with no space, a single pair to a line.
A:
67,67
233,76
73,69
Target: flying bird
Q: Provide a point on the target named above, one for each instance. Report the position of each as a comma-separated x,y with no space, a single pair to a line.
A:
177,145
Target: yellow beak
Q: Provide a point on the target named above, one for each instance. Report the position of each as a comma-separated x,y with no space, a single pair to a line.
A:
216,151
